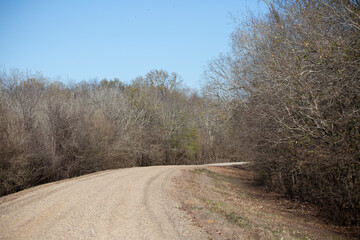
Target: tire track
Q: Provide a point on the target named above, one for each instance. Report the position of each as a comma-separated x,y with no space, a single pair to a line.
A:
129,203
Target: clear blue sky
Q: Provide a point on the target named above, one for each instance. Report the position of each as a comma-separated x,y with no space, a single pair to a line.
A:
82,40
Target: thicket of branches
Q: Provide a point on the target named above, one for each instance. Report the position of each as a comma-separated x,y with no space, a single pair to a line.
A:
292,84
49,131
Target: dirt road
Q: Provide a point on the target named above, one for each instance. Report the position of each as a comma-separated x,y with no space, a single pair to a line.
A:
134,203
163,202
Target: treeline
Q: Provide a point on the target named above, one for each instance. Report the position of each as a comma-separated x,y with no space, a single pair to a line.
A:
286,97
50,131
291,83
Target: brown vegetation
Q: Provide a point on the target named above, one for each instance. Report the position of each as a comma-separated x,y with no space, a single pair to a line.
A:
49,131
292,84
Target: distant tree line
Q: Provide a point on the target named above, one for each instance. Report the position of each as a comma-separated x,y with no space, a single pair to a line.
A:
50,131
291,84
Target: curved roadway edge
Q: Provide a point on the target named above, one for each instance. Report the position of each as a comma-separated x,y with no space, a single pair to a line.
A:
133,203
227,164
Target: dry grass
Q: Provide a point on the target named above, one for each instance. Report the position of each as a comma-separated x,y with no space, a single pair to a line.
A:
226,204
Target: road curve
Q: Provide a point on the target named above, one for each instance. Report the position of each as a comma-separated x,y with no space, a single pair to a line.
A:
227,164
133,203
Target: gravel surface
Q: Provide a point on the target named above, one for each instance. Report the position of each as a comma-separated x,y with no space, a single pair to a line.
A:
227,164
133,203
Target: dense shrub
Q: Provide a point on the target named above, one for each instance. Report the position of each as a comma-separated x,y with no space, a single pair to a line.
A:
49,131
292,82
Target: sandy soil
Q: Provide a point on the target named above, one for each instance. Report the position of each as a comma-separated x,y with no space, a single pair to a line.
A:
132,203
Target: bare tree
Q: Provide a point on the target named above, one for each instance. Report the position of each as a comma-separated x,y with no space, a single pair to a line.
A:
292,85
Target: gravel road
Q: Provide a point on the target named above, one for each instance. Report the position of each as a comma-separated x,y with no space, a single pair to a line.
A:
133,203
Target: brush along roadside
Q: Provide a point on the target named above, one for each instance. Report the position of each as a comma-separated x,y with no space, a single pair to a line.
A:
226,204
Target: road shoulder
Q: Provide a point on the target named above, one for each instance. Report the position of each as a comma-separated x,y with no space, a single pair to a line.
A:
226,204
